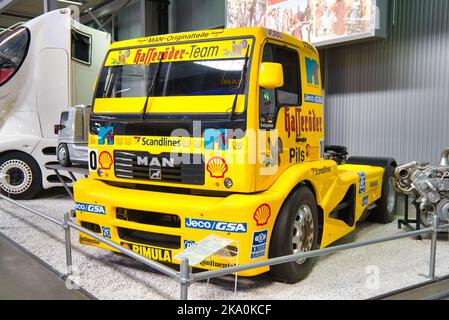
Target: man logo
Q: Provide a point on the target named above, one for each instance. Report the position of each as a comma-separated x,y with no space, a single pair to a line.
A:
155,162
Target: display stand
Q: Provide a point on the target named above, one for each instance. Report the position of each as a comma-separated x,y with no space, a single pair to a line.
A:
232,257
210,249
71,171
407,221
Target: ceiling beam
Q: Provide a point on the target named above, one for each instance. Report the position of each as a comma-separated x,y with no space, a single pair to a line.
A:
6,4
108,8
18,15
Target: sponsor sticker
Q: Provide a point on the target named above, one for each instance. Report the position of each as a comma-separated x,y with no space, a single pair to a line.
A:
216,225
106,135
312,70
152,253
188,243
217,137
88,240
105,160
160,142
217,167
259,245
262,214
365,201
216,264
362,182
313,98
106,232
91,208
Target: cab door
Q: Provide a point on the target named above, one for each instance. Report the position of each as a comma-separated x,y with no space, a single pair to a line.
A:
280,143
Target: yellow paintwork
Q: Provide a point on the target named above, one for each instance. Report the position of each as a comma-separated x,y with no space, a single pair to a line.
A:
258,178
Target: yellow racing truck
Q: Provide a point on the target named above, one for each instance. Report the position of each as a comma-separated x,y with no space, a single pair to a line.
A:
221,132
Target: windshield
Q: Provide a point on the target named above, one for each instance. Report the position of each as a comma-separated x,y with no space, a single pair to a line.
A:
204,69
186,78
13,49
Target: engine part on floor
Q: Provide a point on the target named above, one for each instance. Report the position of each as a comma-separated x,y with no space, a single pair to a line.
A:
428,184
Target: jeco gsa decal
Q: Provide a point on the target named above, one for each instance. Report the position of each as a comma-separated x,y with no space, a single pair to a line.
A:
91,208
216,225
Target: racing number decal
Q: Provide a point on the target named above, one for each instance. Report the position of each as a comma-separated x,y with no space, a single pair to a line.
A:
93,160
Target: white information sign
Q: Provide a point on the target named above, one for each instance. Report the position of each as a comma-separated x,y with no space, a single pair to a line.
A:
204,249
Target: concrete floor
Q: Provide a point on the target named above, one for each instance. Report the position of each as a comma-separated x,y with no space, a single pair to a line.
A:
23,277
432,291
353,274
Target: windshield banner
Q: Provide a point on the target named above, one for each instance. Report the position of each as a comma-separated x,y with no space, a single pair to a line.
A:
182,52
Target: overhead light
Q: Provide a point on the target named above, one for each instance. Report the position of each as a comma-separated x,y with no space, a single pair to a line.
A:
77,3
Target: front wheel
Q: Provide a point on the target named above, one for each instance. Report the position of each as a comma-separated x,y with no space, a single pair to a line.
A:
21,176
296,230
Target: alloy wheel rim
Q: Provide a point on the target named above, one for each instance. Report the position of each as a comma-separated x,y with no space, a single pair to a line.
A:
19,176
62,154
391,196
303,231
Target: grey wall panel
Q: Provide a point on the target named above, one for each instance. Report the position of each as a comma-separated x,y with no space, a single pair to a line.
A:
188,15
128,21
390,97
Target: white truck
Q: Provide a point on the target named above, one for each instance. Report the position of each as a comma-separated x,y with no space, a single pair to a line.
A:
47,65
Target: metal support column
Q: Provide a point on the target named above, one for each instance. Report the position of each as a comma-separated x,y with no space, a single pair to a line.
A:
68,245
185,273
49,5
433,248
153,17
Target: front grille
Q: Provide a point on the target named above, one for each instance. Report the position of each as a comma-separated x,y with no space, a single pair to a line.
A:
150,238
149,218
160,167
91,226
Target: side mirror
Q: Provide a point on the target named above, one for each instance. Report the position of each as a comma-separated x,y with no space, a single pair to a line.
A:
271,75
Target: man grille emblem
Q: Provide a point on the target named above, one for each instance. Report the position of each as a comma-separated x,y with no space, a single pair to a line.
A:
155,174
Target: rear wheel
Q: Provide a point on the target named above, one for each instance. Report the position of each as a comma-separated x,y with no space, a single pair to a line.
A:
22,177
296,230
386,205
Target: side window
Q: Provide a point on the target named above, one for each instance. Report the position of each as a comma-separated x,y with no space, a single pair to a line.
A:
289,94
81,47
13,50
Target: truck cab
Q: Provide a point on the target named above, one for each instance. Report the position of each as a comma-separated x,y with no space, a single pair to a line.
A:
219,132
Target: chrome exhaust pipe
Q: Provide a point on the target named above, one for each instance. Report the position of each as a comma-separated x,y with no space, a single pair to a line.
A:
444,158
403,172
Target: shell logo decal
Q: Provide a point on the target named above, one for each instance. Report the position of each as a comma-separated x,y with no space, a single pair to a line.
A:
217,167
262,214
105,160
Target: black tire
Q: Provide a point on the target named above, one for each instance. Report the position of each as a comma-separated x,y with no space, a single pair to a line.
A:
386,206
63,155
282,238
25,176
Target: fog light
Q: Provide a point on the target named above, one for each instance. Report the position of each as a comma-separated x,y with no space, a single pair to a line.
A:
228,183
100,172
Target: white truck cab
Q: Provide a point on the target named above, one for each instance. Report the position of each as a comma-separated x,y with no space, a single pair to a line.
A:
47,65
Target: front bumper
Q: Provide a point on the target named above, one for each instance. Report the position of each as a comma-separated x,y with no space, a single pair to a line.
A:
160,225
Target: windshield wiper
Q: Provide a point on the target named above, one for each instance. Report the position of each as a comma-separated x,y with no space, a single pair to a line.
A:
241,87
152,89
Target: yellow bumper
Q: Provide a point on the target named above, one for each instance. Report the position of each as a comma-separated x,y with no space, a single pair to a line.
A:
159,225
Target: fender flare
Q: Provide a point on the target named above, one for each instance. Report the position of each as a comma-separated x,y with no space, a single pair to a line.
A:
385,163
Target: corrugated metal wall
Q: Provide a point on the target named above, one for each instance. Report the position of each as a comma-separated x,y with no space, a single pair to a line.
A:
391,97
188,15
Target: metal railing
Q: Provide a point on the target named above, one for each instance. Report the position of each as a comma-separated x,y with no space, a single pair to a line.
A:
185,277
